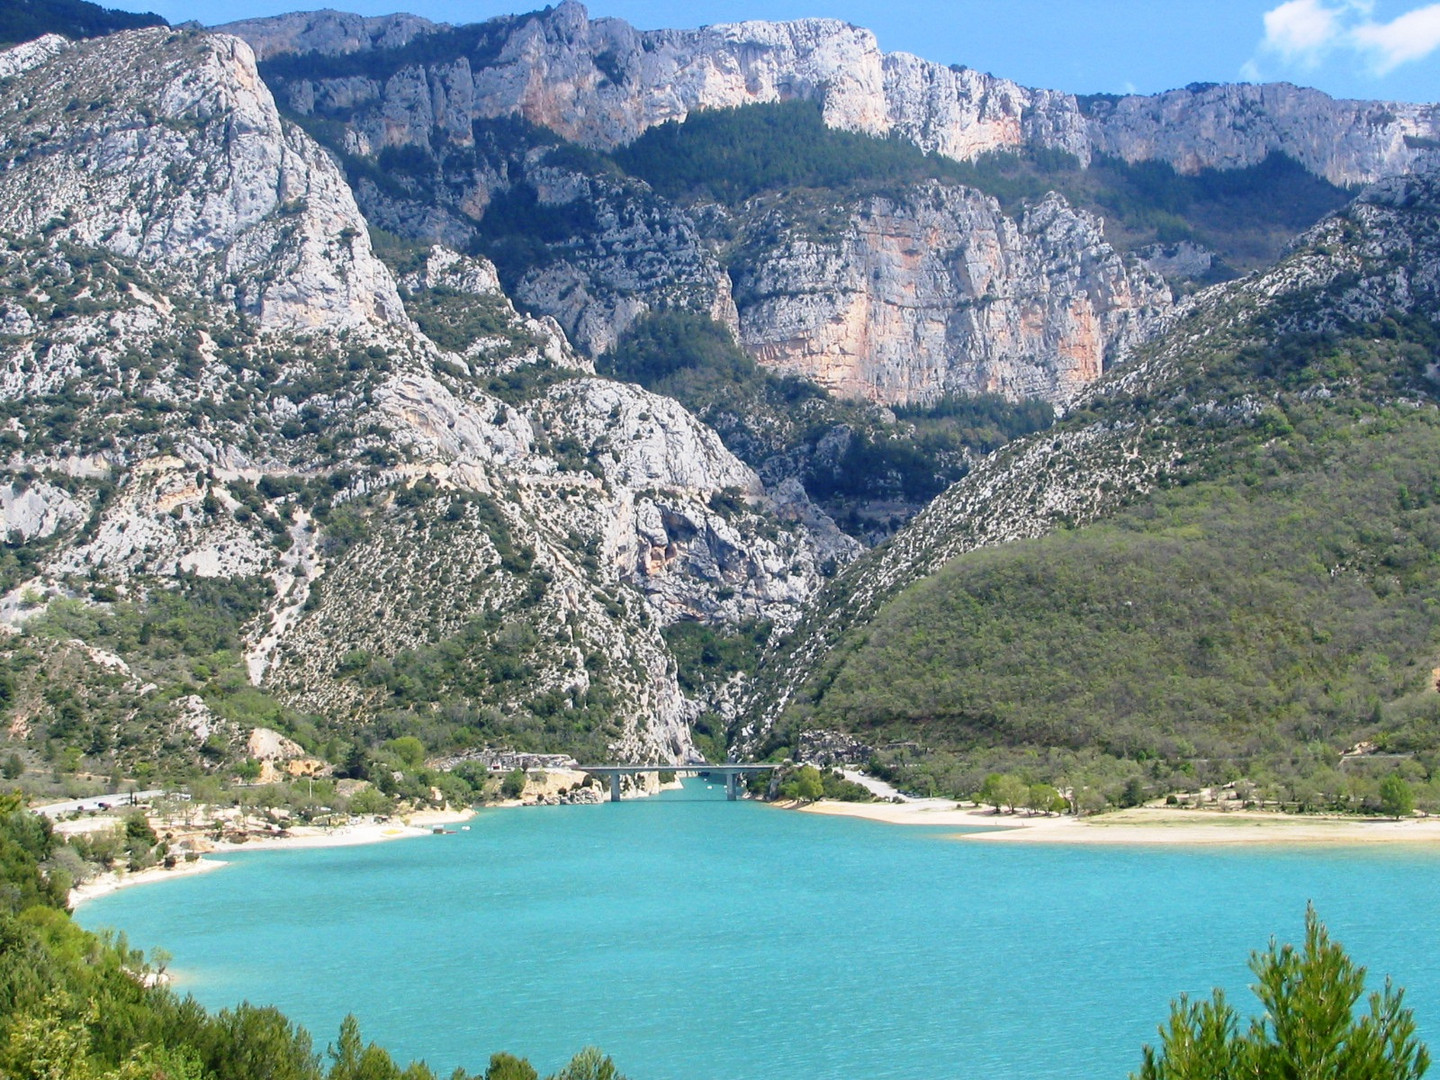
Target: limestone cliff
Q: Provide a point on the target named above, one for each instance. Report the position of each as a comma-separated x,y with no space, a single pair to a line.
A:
1233,125
896,298
602,83
328,32
939,292
640,253
187,166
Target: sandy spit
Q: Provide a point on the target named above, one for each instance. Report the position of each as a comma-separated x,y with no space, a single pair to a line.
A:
420,823
1142,825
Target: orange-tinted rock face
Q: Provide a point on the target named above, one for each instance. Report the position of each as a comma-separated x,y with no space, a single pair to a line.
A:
941,293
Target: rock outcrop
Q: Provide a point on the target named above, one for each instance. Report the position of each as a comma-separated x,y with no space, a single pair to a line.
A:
1230,126
329,33
33,511
641,253
939,292
186,166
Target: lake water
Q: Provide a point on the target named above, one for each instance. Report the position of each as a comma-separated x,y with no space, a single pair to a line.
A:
698,939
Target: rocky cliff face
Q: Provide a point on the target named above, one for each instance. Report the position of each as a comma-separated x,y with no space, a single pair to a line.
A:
205,374
640,253
939,292
186,166
1231,126
330,33
602,83
897,299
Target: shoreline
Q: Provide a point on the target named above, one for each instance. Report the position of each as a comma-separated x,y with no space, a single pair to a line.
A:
1140,825
417,824
1136,826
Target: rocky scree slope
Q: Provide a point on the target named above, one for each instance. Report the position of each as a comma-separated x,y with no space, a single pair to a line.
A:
207,376
1296,372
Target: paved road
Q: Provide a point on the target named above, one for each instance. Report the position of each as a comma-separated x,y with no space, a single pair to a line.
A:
97,802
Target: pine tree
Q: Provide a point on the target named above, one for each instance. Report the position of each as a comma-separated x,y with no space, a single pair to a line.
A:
1309,1030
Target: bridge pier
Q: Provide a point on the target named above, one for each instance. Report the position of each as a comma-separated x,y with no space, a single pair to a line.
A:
731,770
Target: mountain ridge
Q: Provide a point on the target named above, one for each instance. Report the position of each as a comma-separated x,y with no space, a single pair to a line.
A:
537,62
444,133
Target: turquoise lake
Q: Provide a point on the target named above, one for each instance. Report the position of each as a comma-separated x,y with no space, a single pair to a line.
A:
699,939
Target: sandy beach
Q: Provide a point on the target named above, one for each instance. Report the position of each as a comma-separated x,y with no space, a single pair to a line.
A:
1141,825
421,823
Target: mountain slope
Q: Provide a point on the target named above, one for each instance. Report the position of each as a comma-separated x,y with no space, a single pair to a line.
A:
213,388
1222,553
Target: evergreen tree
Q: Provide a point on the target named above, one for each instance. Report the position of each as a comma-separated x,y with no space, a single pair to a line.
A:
509,1067
590,1064
1309,1030
1397,800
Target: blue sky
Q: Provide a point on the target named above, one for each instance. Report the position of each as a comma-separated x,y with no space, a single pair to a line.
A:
1348,48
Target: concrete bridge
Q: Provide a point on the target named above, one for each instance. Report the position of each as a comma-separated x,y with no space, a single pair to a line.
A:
729,771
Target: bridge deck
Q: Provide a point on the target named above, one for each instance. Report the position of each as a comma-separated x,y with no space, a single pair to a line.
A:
729,770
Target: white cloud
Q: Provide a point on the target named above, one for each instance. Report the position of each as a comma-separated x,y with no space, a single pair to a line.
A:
1412,36
1304,32
1301,29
